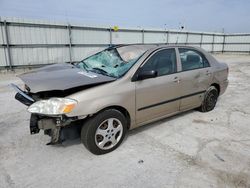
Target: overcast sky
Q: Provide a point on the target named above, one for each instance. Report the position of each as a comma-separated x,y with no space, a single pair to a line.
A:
198,15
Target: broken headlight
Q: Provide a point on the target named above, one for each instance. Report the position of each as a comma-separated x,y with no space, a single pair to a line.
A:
53,106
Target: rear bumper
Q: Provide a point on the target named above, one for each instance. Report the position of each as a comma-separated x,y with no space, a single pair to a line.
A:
223,86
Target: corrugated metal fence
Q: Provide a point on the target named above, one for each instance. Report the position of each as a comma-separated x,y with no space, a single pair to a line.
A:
25,43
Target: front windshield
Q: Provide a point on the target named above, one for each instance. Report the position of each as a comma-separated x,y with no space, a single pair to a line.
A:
114,62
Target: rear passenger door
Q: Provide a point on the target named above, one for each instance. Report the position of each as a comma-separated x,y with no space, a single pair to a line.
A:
195,77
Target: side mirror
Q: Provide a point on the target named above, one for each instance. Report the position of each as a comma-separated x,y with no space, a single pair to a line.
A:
142,75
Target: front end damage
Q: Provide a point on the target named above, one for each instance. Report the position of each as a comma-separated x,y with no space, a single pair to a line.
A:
59,127
45,93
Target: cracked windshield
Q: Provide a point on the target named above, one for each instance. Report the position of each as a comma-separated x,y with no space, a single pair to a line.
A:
113,62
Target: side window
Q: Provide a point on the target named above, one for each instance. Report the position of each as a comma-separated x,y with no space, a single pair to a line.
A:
192,59
164,62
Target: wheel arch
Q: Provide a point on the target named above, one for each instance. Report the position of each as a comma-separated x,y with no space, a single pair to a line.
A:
123,110
217,86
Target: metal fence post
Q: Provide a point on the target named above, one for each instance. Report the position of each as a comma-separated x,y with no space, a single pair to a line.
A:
213,44
201,40
167,37
249,49
70,43
186,39
110,36
8,44
142,36
223,44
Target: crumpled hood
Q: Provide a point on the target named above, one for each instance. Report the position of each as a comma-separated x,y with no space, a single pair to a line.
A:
61,77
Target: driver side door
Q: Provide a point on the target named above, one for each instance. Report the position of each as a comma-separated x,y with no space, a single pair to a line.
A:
159,96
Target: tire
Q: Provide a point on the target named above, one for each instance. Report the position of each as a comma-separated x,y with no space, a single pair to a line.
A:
104,132
210,99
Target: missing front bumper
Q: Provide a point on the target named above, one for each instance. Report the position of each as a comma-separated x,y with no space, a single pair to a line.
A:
58,128
34,129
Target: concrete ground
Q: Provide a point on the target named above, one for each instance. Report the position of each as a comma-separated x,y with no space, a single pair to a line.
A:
192,149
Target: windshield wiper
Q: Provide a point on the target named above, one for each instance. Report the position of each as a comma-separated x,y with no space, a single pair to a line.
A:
85,66
101,71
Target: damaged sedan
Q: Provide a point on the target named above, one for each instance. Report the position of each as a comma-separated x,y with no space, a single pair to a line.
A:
120,88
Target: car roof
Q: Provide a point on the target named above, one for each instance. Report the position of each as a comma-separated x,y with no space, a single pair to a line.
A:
155,46
150,48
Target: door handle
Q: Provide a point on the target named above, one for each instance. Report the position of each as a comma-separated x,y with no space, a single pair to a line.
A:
176,79
208,73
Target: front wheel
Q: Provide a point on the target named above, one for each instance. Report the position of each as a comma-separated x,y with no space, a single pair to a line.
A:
104,132
210,99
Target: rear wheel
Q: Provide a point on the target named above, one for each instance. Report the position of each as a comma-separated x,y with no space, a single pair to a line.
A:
104,132
210,99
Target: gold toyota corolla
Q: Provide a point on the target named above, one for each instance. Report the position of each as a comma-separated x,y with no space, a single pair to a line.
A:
120,88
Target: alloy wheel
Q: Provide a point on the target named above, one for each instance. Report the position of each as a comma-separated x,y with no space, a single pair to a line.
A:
108,133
